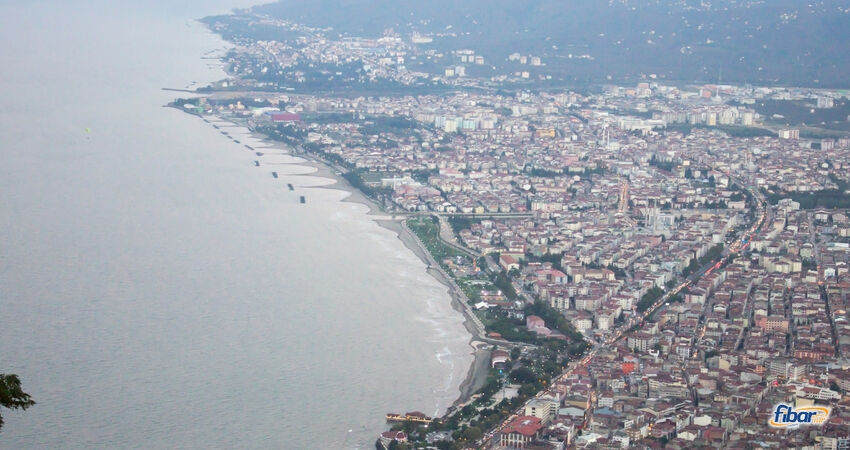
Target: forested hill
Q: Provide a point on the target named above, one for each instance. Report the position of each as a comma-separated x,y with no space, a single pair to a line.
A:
765,42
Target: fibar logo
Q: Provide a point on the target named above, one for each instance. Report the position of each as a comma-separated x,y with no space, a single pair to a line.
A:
785,416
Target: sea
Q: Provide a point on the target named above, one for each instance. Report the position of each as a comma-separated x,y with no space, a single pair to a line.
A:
157,288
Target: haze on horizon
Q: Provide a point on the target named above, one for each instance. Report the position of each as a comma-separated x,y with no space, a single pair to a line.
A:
783,42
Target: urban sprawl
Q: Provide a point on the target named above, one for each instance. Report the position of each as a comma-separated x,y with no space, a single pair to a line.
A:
648,265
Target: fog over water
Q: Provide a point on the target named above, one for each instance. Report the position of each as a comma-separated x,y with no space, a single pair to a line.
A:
159,291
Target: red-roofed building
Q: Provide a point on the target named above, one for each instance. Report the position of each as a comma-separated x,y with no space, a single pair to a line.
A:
508,262
664,429
715,434
521,432
536,325
389,436
553,275
533,321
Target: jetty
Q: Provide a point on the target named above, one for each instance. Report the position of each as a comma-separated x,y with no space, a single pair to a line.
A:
414,416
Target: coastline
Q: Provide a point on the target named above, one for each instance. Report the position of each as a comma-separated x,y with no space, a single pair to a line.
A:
477,373
476,376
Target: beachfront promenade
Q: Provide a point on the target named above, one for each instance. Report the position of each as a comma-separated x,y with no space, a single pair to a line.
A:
477,327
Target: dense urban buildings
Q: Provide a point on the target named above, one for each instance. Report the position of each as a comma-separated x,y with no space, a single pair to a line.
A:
651,265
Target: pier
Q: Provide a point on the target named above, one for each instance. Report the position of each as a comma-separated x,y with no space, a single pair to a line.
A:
414,416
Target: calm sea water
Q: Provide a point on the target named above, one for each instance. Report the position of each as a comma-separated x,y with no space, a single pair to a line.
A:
159,291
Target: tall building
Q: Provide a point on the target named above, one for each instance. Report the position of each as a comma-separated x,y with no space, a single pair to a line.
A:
789,134
825,102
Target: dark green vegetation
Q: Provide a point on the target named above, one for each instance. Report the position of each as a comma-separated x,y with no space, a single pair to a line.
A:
827,198
711,255
503,281
356,180
554,320
678,40
731,130
470,422
379,125
514,330
548,173
459,223
12,395
799,112
666,166
427,229
244,30
649,298
511,329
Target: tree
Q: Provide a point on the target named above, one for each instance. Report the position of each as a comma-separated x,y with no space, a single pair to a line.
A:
523,375
11,394
472,434
528,389
467,411
409,426
515,353
396,445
